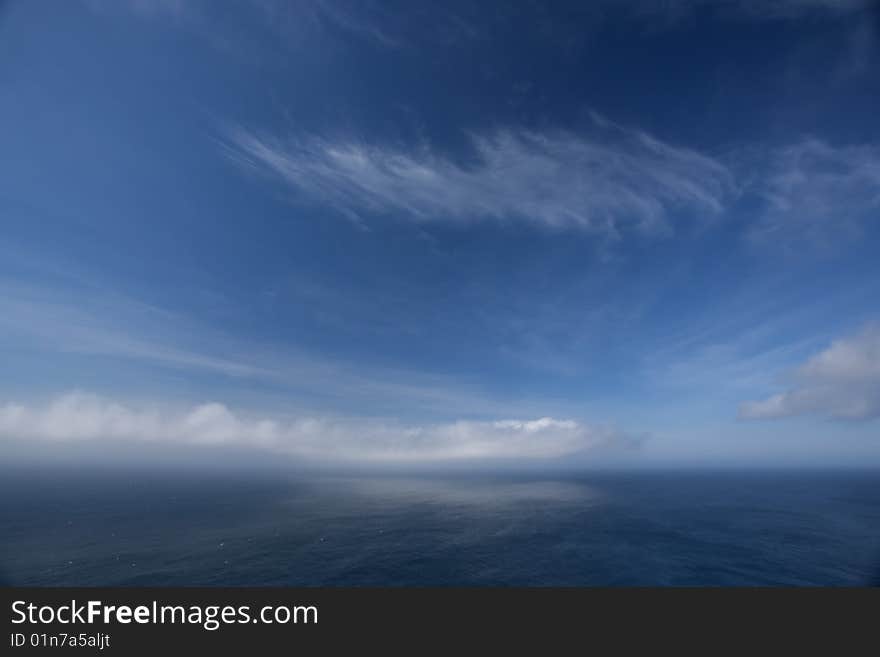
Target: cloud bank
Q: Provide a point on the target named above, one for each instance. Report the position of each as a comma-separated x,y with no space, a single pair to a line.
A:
603,181
82,417
841,382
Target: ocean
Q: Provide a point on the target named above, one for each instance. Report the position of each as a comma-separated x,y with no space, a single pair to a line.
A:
682,528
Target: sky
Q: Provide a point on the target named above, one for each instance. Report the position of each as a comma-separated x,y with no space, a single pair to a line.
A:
405,234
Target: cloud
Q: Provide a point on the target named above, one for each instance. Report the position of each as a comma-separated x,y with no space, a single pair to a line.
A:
759,10
814,191
361,19
841,382
794,8
107,325
89,322
76,417
603,180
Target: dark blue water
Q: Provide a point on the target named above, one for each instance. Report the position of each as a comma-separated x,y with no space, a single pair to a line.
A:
673,528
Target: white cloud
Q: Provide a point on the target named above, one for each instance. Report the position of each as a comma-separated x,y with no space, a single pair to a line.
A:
602,181
83,417
841,382
817,192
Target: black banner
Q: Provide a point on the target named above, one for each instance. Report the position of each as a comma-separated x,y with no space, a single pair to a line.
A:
150,620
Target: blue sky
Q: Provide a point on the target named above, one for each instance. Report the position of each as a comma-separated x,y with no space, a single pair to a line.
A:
540,233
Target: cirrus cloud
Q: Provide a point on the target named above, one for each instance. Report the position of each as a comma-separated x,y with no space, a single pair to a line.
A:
603,181
816,191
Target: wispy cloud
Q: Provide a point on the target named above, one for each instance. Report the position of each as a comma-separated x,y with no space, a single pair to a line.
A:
363,20
378,24
603,180
842,382
121,329
106,325
793,8
817,192
82,417
179,12
749,9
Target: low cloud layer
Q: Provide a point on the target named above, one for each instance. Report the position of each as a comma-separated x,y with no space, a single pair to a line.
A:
81,417
603,181
841,382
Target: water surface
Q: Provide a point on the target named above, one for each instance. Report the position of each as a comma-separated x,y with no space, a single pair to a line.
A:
669,528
